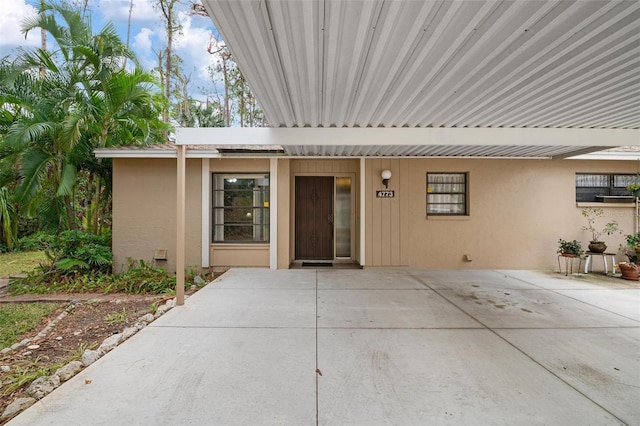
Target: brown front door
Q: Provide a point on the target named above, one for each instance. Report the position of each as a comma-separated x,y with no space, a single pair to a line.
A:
314,218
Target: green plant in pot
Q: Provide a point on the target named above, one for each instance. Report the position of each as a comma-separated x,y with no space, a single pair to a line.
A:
633,242
592,215
634,189
569,248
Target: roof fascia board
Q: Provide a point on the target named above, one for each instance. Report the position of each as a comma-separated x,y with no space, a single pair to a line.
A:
605,138
151,153
134,153
603,155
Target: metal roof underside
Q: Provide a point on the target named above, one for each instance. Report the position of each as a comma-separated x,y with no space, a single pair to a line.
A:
469,63
461,151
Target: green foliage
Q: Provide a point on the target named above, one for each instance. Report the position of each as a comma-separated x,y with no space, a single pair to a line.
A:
116,318
592,214
39,241
78,250
17,319
633,240
25,372
8,218
569,247
76,355
634,188
141,278
56,107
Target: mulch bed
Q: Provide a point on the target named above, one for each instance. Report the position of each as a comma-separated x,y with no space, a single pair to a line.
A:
84,327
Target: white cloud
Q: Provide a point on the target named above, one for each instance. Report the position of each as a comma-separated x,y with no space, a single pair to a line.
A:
12,14
192,44
118,10
142,41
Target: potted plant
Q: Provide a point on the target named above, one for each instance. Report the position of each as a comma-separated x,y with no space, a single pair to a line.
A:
569,248
634,189
633,242
629,271
592,214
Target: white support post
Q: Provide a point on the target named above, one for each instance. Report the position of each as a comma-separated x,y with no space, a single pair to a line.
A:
362,211
180,224
273,213
206,212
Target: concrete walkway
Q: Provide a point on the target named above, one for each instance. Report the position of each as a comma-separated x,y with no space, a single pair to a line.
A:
372,347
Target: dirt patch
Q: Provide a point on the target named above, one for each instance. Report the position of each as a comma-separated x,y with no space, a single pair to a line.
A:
87,323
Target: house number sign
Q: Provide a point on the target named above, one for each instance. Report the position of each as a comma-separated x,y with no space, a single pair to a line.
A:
385,194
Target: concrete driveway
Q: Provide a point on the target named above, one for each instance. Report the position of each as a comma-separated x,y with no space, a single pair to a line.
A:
372,347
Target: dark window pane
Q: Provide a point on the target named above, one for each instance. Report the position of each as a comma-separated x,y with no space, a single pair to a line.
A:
592,187
240,207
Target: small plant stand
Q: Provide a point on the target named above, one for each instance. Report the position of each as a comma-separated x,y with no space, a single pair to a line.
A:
568,263
588,263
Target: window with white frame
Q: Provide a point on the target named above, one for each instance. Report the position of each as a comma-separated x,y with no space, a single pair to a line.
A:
241,207
447,194
597,186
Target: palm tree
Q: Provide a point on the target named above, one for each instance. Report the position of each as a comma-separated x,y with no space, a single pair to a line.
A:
83,100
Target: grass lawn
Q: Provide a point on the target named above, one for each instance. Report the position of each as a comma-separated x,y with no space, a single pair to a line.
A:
17,319
17,263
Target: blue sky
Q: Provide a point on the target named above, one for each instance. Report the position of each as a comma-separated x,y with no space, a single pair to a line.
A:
147,33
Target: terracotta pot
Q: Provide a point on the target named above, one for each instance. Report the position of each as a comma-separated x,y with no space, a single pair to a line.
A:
628,272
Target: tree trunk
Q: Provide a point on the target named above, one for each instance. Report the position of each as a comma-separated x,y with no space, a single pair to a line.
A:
128,30
43,43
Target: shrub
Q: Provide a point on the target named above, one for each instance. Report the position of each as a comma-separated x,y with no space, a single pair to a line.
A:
39,241
142,278
78,250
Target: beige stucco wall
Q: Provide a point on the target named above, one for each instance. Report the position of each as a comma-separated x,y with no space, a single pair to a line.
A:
144,211
517,211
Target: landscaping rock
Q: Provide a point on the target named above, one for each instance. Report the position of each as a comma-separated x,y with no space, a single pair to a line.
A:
33,347
68,371
171,303
109,343
197,280
161,310
147,318
43,386
128,332
139,325
5,368
89,357
16,407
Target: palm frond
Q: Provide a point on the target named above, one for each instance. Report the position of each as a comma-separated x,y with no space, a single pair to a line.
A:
33,169
68,179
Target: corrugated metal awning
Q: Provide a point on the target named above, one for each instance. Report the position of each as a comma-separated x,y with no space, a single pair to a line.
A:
463,63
